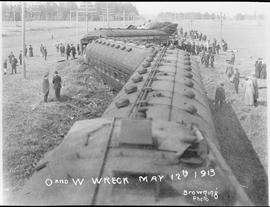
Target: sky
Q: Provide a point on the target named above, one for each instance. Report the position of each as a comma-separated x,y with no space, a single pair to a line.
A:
229,8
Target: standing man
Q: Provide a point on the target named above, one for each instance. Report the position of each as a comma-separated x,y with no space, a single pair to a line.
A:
78,49
57,85
46,87
236,79
31,51
249,92
73,51
20,57
255,85
219,97
57,46
13,65
5,66
258,68
212,59
42,50
25,50
263,71
218,48
232,58
45,53
68,51
207,57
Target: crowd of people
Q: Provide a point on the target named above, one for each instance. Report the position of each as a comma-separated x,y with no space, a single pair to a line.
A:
69,50
196,43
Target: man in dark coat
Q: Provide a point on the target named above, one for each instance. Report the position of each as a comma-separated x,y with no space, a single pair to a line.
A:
236,79
212,59
46,87
45,53
57,85
73,51
220,96
31,51
258,68
206,60
25,50
263,71
13,65
78,49
20,57
68,51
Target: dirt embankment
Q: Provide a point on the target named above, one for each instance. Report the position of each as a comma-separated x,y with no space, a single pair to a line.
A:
32,127
241,130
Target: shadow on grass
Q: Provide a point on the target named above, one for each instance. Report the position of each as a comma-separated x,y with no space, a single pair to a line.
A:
240,155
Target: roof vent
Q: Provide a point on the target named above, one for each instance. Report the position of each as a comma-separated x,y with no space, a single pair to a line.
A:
130,89
188,68
189,94
146,64
188,75
191,109
189,83
142,71
137,79
149,59
187,63
122,103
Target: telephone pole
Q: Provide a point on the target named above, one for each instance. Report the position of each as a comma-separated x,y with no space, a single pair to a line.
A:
220,26
107,15
87,18
124,16
23,39
77,25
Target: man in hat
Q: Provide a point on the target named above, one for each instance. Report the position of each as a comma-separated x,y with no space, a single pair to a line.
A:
212,59
263,71
14,62
258,67
31,54
57,85
220,96
46,86
249,92
236,79
20,57
255,85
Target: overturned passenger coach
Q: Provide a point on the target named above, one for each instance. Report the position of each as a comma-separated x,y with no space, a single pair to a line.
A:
155,144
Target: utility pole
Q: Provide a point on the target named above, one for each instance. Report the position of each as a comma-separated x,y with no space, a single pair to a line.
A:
124,16
23,40
220,26
87,18
77,22
107,15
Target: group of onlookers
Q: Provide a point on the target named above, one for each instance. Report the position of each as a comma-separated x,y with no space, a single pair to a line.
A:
68,50
197,44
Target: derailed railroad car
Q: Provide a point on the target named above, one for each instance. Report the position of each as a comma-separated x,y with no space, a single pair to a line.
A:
115,61
150,35
155,144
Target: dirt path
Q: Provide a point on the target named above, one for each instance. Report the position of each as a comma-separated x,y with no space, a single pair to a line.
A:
241,130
